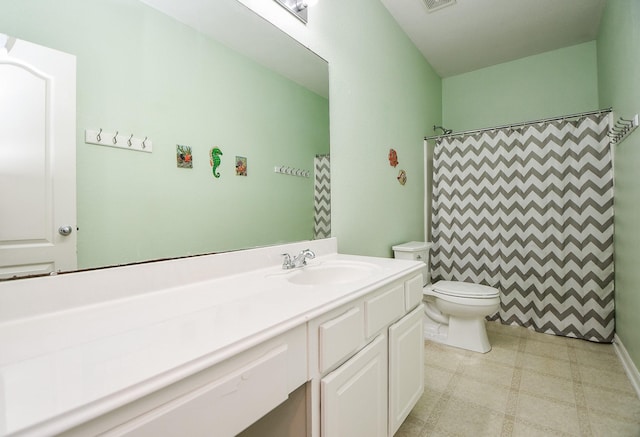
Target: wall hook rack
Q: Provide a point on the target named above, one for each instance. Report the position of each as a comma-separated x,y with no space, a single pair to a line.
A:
118,140
283,169
622,128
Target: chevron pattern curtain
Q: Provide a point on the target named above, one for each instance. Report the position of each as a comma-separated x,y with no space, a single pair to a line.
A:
322,197
530,212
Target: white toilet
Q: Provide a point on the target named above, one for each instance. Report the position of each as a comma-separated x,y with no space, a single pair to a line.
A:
454,311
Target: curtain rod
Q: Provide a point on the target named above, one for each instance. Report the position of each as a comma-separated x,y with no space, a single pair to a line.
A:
524,123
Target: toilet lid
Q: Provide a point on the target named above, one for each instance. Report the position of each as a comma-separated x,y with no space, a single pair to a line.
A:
465,289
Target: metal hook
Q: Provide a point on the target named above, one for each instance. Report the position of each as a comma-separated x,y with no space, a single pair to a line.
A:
129,140
144,143
98,137
115,138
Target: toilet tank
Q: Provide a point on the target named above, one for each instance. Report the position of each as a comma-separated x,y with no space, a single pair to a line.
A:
417,251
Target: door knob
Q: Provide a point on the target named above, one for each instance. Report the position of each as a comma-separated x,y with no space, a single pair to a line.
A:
65,230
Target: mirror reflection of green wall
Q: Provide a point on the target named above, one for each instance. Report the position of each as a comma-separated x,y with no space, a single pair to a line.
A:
140,71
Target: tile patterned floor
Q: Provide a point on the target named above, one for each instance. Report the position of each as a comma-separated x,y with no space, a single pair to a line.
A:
528,385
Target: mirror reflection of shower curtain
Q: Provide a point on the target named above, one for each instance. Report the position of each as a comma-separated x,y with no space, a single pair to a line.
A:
529,210
322,197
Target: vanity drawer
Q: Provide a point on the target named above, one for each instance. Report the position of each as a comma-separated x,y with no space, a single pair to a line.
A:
383,308
223,407
340,336
413,292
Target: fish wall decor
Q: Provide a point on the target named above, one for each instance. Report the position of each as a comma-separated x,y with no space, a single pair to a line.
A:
393,158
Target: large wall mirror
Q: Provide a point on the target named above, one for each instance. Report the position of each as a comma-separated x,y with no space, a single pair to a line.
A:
195,74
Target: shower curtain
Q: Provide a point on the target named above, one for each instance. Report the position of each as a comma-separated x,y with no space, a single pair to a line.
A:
322,197
529,211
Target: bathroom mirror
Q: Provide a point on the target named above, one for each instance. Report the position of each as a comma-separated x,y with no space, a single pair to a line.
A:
213,74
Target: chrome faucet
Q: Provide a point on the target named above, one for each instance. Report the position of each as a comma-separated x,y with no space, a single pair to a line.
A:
299,261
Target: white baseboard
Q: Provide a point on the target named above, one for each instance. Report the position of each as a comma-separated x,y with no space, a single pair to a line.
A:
629,367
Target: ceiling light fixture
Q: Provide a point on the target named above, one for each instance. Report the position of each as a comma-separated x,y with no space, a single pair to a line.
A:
298,8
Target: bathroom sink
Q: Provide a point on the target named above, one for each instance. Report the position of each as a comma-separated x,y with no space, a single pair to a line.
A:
331,273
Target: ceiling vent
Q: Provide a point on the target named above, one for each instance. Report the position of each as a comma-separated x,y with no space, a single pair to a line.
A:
434,5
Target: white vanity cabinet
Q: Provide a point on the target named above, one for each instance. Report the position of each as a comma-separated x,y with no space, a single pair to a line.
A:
238,349
221,400
366,362
361,365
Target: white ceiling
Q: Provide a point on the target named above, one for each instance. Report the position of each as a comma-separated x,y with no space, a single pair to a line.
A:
472,34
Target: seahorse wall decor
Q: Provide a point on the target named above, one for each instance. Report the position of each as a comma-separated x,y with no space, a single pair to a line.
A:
214,160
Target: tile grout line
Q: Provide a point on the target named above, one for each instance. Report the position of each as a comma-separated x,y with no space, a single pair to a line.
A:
436,413
578,392
508,423
576,381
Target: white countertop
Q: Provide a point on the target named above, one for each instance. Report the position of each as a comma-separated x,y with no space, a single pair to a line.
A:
59,368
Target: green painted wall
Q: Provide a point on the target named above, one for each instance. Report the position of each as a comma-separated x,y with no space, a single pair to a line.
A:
559,82
619,84
383,95
550,84
139,71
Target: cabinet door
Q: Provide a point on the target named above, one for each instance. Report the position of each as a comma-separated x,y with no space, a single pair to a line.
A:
354,396
406,367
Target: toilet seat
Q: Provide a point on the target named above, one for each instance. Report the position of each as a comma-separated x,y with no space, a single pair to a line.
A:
464,290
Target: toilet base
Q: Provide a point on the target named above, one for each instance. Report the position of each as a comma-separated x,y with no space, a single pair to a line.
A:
468,334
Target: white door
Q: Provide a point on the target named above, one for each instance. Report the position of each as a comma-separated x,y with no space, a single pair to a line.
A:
354,396
37,159
406,367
